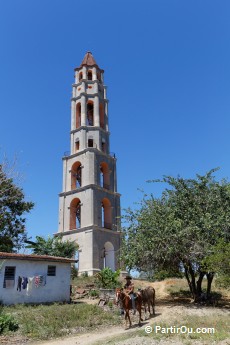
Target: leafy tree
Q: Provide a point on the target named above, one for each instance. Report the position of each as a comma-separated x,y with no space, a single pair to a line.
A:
178,230
12,209
53,246
219,262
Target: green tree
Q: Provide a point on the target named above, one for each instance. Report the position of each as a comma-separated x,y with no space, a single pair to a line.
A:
53,246
12,209
219,262
178,230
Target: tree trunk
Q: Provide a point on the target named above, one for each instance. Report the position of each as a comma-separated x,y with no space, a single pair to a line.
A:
190,276
193,282
210,277
199,284
188,279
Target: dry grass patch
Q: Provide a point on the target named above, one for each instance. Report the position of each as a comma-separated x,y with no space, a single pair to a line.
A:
51,321
204,328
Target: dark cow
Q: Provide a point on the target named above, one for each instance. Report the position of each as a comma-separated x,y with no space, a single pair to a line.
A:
148,298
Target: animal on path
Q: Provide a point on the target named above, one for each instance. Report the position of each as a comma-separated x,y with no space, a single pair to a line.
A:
148,295
126,303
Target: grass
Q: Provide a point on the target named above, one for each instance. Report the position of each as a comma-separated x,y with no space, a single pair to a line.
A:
178,290
83,281
51,321
220,325
43,322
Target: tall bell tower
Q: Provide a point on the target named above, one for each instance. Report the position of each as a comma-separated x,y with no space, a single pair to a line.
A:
89,205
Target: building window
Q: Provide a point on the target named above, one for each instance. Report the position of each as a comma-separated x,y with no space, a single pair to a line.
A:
102,116
99,76
78,115
51,271
76,175
103,146
75,214
104,175
90,77
77,145
106,214
80,76
9,277
90,142
90,114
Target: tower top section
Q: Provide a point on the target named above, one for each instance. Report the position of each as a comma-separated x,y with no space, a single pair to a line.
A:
88,61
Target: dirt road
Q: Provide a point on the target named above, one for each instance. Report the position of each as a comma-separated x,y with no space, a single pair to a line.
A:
168,312
164,315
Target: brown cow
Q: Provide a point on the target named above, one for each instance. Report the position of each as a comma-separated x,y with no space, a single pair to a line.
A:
148,298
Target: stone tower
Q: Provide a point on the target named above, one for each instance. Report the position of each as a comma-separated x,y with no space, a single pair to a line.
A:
89,205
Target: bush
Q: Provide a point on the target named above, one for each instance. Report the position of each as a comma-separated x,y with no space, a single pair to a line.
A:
74,272
108,279
7,323
223,281
163,274
84,274
94,293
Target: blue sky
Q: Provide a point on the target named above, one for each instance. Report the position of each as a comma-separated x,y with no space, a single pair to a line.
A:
167,68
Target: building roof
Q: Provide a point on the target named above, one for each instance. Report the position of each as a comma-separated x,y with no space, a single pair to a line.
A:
34,257
88,61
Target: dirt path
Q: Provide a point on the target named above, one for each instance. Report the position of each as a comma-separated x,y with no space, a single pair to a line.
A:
164,314
101,336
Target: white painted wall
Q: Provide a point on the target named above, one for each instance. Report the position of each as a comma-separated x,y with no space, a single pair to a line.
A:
57,288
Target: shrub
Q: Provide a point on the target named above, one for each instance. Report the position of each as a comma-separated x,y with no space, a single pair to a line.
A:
84,274
164,274
7,323
108,279
74,272
94,293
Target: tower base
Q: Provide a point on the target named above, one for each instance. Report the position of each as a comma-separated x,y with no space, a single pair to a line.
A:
98,248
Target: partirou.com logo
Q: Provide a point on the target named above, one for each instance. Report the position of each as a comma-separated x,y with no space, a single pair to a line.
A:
179,330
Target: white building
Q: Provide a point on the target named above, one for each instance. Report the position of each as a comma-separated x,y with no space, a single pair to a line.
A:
89,205
34,278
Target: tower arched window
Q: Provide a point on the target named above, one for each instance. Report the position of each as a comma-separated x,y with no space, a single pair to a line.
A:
106,214
76,175
78,115
99,76
80,76
102,115
90,75
103,145
90,114
104,175
75,214
109,256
